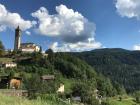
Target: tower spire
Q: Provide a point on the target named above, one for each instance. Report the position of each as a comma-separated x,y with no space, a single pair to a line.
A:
17,38
18,27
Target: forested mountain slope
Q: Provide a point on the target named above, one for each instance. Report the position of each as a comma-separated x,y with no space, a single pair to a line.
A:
120,65
79,78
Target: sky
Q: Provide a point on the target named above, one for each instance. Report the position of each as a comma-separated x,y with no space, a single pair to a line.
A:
72,25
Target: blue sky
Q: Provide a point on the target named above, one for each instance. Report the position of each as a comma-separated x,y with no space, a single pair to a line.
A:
116,22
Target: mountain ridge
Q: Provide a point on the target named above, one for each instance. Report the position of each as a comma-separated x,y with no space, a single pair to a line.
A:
118,64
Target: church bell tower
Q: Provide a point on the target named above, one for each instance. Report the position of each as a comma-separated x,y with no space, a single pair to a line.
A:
17,39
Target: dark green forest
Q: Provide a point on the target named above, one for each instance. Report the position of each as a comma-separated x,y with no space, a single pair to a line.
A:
121,66
81,77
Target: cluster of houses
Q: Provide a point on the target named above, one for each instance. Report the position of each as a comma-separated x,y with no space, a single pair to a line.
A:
15,84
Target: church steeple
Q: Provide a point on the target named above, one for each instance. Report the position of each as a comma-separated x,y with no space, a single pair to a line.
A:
17,38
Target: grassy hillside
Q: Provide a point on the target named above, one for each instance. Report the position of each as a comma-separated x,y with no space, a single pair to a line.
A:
7,100
122,66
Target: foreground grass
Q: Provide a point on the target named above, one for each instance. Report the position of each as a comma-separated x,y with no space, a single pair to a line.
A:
7,100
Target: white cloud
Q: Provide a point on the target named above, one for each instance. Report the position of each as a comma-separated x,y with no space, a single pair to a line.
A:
2,28
12,20
128,8
28,32
75,47
70,26
136,47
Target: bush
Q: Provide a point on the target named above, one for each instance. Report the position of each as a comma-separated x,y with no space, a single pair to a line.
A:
138,99
137,96
86,92
120,98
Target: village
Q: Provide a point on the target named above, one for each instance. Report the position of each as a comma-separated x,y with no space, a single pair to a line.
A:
13,85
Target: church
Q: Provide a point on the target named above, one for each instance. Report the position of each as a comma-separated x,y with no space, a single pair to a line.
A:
24,47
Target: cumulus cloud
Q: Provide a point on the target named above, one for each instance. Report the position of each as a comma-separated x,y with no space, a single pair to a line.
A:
70,26
75,47
136,47
2,28
28,32
12,20
128,8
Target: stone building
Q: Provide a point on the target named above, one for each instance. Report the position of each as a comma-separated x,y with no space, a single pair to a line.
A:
15,82
29,47
61,89
8,65
24,47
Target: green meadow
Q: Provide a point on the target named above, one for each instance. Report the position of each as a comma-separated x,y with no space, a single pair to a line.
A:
8,100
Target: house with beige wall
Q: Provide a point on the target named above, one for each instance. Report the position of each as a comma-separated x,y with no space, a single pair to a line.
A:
61,89
8,64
